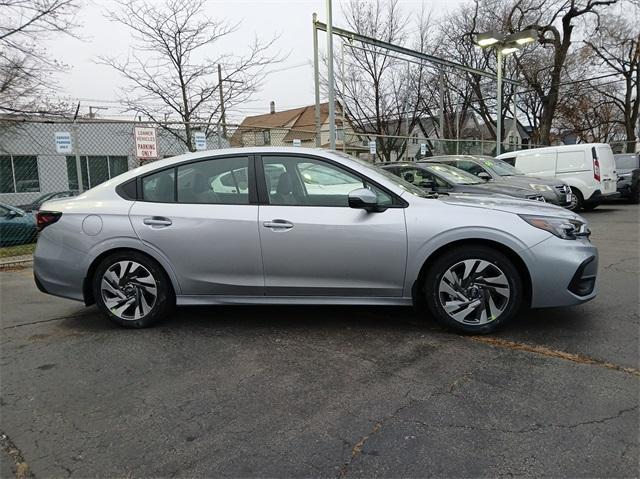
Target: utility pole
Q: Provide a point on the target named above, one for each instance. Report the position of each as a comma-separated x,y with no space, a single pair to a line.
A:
499,106
331,80
316,80
222,116
441,108
223,119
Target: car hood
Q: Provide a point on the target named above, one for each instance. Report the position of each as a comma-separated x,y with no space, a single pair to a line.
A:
525,180
509,205
504,188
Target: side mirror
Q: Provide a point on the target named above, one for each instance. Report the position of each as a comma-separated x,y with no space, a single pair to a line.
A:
12,214
485,176
364,199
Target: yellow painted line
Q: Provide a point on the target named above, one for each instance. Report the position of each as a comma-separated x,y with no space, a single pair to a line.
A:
552,353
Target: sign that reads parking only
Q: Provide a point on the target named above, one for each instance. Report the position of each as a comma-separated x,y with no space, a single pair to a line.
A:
63,142
146,143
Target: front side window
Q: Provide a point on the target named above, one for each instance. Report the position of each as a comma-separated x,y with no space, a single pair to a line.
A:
310,182
19,174
218,181
470,167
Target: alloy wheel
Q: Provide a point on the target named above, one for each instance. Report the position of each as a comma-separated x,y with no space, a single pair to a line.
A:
474,292
128,290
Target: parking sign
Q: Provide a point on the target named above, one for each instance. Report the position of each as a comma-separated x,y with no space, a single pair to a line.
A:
372,147
423,149
63,142
146,144
200,140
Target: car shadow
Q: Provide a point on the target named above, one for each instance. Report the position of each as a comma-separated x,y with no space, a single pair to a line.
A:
263,318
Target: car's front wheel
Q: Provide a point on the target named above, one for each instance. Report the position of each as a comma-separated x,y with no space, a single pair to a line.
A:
576,200
132,289
473,289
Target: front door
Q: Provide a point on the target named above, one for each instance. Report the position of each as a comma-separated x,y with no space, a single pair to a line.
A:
206,225
313,244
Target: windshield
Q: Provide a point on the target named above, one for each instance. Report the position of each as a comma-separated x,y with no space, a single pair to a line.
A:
396,180
454,175
501,168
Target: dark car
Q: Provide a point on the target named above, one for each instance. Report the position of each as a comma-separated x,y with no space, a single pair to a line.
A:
443,178
35,205
628,169
492,169
16,226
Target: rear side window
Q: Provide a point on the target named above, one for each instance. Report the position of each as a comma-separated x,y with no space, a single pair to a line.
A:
627,162
218,181
159,187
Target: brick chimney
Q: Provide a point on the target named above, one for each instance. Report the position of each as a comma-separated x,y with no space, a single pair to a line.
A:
272,107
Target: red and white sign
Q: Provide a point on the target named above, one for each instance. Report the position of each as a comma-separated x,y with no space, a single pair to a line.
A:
146,143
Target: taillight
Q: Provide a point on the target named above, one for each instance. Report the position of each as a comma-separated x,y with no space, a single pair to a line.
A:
46,218
596,165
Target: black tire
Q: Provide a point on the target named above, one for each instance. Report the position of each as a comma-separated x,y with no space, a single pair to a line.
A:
137,285
634,199
577,201
497,262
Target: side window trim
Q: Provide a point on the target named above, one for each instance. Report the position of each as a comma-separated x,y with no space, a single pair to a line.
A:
263,194
251,180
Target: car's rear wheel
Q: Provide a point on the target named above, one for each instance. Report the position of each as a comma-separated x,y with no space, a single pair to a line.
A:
132,289
474,289
576,200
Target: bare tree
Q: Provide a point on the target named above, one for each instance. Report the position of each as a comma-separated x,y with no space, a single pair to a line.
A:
616,48
25,67
380,91
166,69
555,21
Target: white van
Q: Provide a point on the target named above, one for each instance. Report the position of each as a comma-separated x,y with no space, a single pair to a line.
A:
589,169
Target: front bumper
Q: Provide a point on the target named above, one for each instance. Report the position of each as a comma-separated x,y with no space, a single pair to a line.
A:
563,272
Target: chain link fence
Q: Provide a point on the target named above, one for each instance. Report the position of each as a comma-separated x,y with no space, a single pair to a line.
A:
46,159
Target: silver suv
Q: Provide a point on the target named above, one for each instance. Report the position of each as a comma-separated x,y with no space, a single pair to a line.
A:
306,226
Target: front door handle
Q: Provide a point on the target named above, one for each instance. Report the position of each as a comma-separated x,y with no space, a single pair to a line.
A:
157,221
278,224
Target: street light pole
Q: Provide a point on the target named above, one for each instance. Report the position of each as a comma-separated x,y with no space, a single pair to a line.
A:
499,106
330,79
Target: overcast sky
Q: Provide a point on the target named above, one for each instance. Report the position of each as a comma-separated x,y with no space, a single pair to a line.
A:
94,84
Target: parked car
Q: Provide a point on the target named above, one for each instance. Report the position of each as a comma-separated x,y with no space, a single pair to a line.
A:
490,169
628,169
35,204
16,226
444,178
589,169
147,240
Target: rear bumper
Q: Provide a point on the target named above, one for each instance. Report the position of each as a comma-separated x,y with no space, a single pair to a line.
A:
598,197
563,272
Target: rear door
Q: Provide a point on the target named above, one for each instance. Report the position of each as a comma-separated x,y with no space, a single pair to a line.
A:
205,224
314,244
607,164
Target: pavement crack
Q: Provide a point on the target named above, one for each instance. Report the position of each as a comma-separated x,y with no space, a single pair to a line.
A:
20,466
553,353
357,448
44,321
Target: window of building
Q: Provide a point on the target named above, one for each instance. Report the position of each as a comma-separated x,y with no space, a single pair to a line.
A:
219,181
19,174
95,170
266,137
414,139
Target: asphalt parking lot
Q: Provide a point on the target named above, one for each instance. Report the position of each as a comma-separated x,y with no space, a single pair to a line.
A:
326,392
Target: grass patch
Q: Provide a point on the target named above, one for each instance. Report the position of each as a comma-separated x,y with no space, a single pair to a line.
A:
7,251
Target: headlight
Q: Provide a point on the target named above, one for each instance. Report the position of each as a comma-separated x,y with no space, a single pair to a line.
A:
537,187
561,227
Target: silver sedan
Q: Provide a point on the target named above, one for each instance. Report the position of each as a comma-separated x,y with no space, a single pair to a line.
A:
306,226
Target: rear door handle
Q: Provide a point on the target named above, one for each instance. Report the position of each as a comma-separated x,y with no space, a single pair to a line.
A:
157,221
278,224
